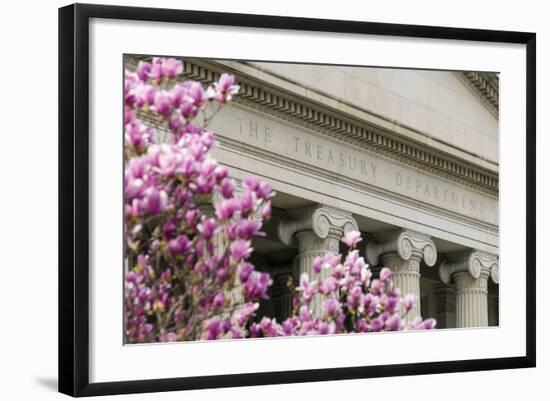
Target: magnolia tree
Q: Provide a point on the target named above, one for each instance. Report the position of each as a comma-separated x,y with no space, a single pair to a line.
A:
185,264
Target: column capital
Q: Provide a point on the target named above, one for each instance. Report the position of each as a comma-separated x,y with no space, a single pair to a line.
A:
323,220
406,244
474,262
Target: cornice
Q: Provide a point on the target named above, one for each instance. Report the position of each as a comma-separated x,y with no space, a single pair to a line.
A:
260,96
485,86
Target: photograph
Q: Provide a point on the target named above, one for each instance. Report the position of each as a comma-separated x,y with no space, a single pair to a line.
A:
276,199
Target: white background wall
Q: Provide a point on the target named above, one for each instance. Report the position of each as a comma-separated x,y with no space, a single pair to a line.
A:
28,230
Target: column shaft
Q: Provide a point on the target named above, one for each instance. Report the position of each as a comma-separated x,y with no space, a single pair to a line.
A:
445,295
311,246
471,300
406,277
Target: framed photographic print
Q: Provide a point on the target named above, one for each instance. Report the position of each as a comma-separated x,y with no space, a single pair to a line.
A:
277,199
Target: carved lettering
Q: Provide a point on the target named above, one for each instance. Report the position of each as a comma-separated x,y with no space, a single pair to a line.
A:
355,164
352,166
373,168
341,159
258,132
308,149
330,156
253,129
431,192
454,197
240,125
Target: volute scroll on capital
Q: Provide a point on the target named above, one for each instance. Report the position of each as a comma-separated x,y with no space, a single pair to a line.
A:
474,262
406,244
322,220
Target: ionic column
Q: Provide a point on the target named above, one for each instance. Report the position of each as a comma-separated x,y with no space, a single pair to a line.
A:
445,295
317,229
402,251
470,271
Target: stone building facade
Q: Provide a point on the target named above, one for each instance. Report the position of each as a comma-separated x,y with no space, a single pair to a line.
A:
408,157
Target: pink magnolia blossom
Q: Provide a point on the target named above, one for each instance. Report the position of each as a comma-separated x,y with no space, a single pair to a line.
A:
317,264
172,67
240,249
409,301
227,188
351,238
224,90
385,274
266,211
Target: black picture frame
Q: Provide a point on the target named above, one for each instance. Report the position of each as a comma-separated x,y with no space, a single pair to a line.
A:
74,193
